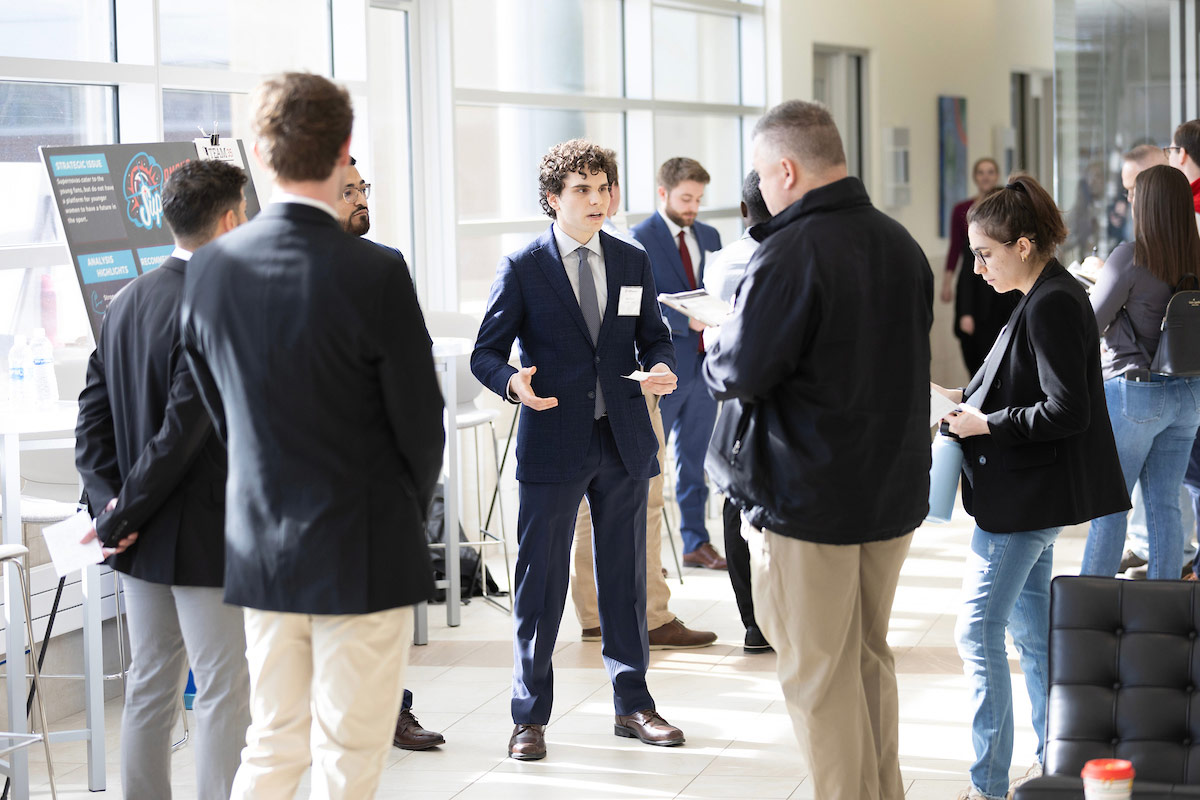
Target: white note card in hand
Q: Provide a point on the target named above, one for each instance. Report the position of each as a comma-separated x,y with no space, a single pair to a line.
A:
939,406
62,540
637,375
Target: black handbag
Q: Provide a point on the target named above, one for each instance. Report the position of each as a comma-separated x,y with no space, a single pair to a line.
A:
1178,353
737,461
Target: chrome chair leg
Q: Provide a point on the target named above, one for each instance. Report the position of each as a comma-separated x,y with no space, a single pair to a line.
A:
37,686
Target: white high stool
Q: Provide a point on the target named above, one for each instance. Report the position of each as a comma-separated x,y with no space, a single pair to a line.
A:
12,554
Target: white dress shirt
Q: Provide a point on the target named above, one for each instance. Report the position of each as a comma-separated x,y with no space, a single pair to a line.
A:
181,254
615,226
689,236
566,249
727,266
280,196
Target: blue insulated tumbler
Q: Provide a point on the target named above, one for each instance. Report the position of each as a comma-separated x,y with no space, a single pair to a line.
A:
944,474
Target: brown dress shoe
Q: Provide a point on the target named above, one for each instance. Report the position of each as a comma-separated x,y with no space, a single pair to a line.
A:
704,556
590,635
528,742
411,736
677,636
649,727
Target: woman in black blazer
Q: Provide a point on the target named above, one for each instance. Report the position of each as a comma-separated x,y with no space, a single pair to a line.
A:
1038,454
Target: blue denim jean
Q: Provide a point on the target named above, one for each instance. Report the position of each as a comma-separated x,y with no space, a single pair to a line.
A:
1154,423
1136,537
1006,587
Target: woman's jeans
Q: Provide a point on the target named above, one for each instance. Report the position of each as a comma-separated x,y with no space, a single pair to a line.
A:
1154,423
1006,586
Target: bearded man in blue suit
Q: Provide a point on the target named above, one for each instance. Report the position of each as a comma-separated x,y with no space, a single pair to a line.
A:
677,244
581,306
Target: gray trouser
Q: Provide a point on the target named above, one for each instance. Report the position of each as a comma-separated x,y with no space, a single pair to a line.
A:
170,627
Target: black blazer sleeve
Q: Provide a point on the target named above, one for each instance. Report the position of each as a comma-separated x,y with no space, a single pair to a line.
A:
166,458
1056,333
206,387
411,396
95,438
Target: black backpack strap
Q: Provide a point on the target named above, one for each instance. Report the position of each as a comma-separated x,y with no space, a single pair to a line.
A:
1187,275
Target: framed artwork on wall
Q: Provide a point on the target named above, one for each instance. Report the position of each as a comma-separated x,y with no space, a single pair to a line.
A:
952,157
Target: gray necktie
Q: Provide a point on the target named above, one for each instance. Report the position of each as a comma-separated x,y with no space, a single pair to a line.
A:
590,307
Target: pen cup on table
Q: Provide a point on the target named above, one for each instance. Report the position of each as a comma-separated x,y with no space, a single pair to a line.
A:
945,470
1107,779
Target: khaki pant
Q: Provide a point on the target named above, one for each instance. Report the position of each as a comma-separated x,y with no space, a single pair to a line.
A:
825,609
325,689
583,581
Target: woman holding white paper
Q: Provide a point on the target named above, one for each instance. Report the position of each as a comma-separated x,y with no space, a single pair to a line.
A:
1038,455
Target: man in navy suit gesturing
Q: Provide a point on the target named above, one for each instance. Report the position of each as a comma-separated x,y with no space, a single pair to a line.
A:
677,243
582,307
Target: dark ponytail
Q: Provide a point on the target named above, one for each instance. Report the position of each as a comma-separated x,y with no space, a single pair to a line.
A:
1022,208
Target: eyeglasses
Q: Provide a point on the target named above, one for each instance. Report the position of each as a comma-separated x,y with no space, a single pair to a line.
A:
1168,150
351,194
981,259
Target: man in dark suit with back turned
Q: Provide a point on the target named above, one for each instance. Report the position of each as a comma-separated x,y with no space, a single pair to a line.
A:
677,244
146,451
355,217
581,305
312,356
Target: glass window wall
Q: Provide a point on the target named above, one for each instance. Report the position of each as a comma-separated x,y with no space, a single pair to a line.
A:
1113,88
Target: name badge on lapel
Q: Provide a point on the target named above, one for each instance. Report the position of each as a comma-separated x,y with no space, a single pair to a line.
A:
630,304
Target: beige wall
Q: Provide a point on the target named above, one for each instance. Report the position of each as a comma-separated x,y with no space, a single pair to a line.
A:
917,50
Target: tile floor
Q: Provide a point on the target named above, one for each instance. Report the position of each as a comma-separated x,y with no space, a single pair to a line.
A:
739,745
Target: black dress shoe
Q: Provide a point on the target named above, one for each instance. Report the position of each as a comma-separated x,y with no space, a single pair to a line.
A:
756,642
527,743
410,735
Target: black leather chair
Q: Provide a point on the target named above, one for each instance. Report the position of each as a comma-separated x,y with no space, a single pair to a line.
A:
1124,683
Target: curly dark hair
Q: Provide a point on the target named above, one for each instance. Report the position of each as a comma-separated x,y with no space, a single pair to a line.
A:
198,194
577,155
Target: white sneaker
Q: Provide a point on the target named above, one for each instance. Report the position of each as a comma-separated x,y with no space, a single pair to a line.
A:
1035,771
971,793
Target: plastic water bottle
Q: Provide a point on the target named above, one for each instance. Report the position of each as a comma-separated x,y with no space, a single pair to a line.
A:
944,473
45,384
20,368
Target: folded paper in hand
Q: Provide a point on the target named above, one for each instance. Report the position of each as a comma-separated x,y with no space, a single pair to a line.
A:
939,406
63,542
698,305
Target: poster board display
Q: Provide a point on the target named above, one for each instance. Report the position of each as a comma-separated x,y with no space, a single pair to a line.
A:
109,199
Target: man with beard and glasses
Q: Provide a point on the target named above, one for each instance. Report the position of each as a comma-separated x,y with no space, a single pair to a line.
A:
356,221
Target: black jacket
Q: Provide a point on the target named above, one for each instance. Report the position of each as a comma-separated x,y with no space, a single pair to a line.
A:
1050,458
312,355
824,364
143,434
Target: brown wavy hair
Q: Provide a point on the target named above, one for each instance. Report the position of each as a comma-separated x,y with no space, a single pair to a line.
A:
577,155
300,122
1164,224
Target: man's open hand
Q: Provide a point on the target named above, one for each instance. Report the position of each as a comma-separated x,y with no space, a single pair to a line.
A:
521,387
